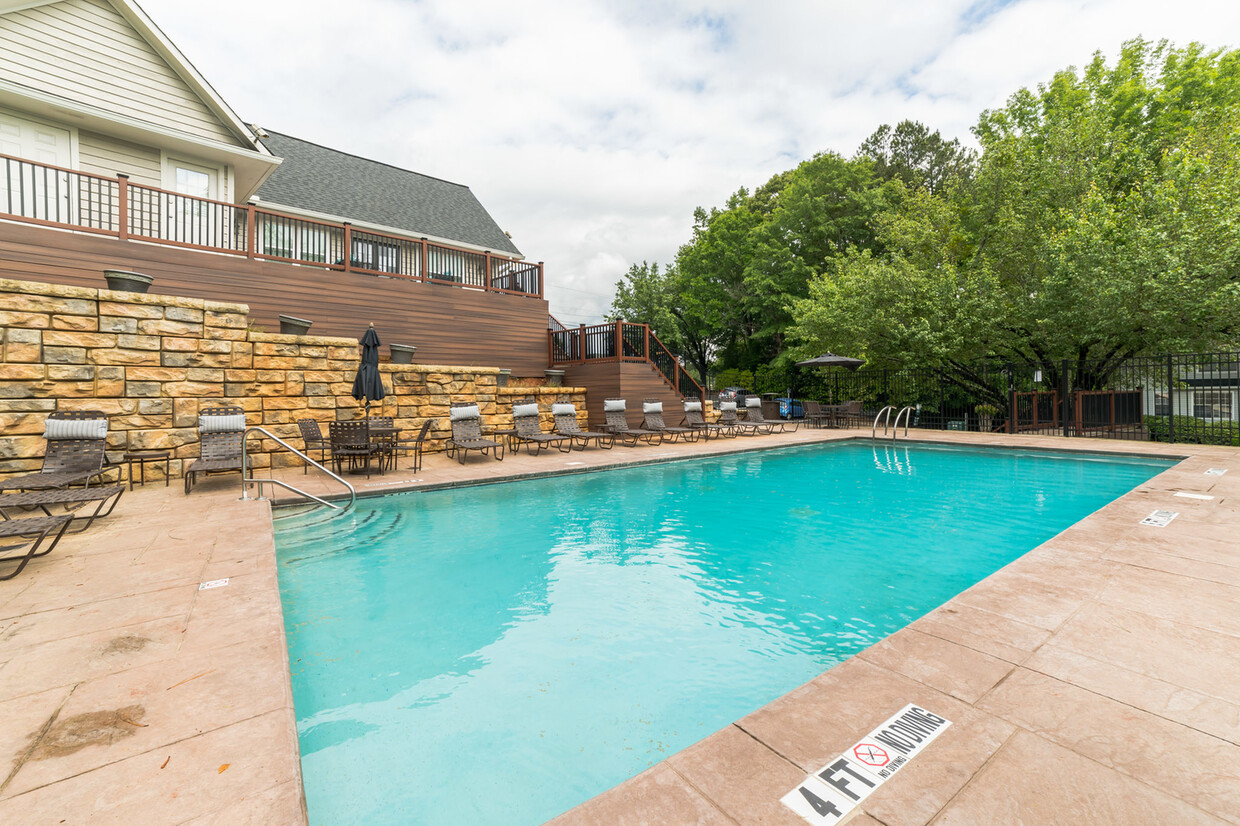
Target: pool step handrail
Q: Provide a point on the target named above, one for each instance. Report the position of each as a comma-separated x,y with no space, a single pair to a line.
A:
907,413
887,410
251,480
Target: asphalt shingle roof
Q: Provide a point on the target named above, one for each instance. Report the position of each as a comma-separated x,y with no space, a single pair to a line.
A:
323,180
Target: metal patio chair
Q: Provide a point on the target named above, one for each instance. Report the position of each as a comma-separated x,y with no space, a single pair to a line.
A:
221,431
312,436
76,452
466,422
565,416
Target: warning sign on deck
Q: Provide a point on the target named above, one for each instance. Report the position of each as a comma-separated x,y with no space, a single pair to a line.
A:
1216,471
1160,519
829,794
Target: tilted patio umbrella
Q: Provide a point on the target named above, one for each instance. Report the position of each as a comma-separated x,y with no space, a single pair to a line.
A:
832,360
368,384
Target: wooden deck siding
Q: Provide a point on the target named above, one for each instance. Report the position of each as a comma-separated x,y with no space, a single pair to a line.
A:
448,325
632,381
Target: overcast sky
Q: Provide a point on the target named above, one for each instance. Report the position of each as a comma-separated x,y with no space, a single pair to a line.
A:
591,130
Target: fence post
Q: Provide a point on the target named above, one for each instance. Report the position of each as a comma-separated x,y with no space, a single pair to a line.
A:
620,339
251,231
581,344
488,286
942,403
1065,390
122,207
1170,400
348,247
1011,377
647,351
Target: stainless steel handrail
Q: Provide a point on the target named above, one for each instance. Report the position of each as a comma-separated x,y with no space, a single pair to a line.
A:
245,493
896,427
887,410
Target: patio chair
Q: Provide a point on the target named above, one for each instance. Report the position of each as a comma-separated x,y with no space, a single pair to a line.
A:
728,418
38,527
415,445
525,421
351,443
69,498
221,431
312,436
466,421
76,442
849,413
565,416
618,425
695,420
386,441
652,419
753,414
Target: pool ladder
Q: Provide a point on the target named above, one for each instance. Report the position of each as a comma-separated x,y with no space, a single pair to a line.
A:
251,480
885,415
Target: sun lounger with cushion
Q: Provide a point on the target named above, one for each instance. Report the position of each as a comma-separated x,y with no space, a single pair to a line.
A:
221,431
618,424
66,497
466,421
695,420
753,412
728,418
525,421
75,455
652,412
565,416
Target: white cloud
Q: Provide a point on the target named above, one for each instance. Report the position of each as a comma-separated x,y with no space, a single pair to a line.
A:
591,130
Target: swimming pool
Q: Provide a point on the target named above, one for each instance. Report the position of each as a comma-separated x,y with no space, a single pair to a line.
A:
501,653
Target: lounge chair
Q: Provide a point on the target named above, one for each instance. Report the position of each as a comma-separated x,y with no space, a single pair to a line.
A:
753,413
525,422
351,443
565,416
728,418
652,412
39,527
221,431
69,498
312,436
76,442
618,424
695,420
466,423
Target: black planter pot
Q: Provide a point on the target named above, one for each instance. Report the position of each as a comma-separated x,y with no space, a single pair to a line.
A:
291,325
555,378
127,282
402,353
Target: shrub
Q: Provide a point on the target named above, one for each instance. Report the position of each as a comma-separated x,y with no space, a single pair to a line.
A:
1191,430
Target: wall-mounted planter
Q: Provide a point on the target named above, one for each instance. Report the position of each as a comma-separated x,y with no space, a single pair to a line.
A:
502,379
128,282
402,353
555,378
291,325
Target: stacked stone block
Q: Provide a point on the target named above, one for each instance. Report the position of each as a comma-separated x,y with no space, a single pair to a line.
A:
151,362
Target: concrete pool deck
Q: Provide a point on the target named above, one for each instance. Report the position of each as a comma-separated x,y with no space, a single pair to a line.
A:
1095,679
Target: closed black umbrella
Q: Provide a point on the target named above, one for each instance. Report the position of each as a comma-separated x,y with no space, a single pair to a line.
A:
832,360
368,384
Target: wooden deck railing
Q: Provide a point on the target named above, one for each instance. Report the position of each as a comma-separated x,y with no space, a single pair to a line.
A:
620,341
68,199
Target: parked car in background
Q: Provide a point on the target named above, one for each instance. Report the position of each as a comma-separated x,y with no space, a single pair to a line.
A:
734,394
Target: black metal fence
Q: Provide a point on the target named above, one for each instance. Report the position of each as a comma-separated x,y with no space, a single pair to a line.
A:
1186,398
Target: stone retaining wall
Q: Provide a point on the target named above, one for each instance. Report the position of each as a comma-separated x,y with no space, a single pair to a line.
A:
151,362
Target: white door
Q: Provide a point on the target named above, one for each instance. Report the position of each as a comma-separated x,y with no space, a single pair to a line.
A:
27,189
190,219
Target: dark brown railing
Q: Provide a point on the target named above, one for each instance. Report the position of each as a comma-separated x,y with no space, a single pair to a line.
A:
68,199
620,341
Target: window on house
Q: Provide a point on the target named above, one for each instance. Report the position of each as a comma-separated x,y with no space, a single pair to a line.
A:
375,255
1212,404
278,240
1162,404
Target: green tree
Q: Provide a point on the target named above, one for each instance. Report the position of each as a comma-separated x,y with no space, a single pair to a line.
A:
645,296
917,157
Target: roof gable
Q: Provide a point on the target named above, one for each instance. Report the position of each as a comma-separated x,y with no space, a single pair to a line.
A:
332,183
107,54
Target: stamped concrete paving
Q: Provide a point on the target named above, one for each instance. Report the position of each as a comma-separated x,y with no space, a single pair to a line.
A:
1095,679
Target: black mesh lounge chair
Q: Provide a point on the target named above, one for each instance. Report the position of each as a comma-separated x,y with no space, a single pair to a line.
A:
695,420
652,412
39,527
68,498
728,418
221,431
466,421
415,445
618,424
525,422
75,452
565,416
312,435
351,443
753,412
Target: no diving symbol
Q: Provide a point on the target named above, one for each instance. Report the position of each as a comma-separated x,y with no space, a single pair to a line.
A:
871,754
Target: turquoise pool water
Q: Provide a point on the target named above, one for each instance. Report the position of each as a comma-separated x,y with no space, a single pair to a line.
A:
498,654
